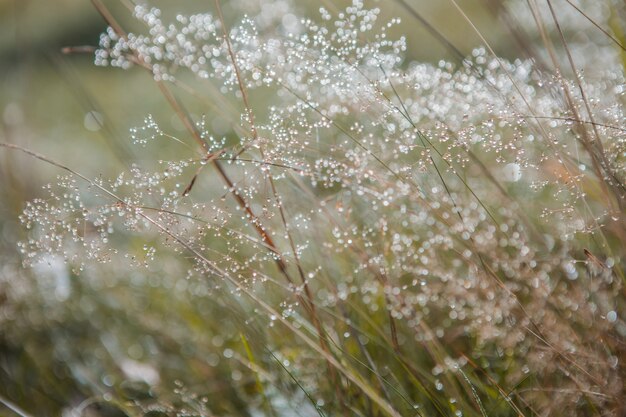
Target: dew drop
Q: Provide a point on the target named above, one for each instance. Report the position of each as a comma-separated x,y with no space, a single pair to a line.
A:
512,172
611,316
93,121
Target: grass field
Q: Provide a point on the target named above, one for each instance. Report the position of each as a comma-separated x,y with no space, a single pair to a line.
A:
271,208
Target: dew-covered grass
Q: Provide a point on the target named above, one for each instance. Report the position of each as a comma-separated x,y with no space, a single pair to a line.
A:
336,229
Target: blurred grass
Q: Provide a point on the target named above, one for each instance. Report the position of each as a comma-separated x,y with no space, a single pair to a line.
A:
44,99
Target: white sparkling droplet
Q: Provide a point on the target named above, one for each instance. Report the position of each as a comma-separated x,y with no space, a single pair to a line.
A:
512,172
611,316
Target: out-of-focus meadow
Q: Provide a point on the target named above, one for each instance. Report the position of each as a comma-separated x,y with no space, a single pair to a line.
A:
154,341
